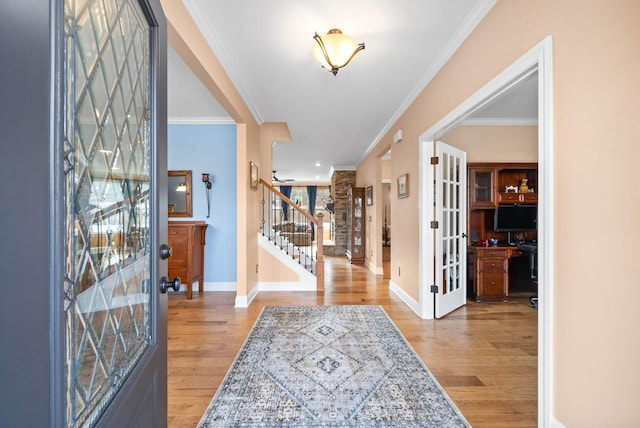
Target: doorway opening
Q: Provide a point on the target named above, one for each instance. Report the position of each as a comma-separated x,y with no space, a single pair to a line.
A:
385,182
537,60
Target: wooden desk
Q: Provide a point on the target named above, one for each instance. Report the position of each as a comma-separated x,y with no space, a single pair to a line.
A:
187,239
489,270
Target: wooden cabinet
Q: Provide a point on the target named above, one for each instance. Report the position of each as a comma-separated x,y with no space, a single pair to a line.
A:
493,184
482,187
490,273
355,225
187,240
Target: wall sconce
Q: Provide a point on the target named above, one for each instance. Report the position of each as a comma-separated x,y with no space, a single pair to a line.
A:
207,185
182,187
335,50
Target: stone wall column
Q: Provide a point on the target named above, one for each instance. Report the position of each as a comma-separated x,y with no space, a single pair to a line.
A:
340,183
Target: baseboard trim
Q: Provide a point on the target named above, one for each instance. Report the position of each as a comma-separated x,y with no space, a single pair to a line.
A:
402,295
287,286
212,286
245,301
373,268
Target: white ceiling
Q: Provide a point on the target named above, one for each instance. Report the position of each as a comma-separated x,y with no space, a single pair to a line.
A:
266,49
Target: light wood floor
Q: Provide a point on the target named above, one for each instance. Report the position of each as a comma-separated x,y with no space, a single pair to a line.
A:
483,354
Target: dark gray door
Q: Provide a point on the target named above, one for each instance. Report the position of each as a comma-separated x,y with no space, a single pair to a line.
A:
114,324
83,114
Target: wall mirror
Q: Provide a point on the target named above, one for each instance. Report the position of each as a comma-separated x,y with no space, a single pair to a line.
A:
179,184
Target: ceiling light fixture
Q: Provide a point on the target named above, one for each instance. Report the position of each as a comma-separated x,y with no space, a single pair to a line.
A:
335,50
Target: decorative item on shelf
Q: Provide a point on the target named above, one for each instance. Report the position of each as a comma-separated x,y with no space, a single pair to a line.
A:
335,50
523,188
370,195
207,185
513,189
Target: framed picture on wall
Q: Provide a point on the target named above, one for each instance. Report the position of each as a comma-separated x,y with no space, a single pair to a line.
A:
403,186
253,175
370,195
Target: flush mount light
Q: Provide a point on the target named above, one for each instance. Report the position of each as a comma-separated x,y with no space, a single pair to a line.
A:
335,50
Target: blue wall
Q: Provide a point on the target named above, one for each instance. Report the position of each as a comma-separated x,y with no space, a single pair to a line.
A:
210,149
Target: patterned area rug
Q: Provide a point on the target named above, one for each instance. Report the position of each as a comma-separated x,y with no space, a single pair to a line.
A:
329,366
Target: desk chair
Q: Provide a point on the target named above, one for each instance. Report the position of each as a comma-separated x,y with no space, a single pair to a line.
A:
532,249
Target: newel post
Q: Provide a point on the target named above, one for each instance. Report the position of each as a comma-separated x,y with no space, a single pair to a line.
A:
319,255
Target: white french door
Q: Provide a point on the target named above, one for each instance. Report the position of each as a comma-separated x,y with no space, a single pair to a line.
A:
448,224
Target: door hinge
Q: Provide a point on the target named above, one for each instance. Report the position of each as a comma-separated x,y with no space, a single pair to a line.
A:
434,225
435,160
434,289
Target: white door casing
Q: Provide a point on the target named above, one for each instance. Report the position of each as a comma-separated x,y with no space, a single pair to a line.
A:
538,59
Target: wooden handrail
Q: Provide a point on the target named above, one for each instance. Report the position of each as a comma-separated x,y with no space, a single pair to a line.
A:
290,202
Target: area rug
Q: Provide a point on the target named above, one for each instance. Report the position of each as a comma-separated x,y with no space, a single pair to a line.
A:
329,366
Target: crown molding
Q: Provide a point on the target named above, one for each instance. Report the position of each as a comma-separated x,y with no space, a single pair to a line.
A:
335,168
501,121
470,23
200,121
206,27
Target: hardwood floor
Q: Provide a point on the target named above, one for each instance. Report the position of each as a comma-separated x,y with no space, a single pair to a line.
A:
484,355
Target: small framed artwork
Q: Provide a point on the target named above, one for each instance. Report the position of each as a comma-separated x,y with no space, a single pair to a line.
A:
370,195
403,186
253,175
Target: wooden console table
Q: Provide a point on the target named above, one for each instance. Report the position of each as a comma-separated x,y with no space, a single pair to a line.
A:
187,239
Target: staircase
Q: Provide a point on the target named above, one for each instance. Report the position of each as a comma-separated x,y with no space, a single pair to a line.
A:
293,231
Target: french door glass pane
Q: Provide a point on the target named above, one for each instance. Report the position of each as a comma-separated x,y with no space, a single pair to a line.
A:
107,169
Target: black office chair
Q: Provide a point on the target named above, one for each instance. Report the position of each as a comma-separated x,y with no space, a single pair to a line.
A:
532,249
534,276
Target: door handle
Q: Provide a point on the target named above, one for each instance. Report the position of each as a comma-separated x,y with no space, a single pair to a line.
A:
165,284
165,251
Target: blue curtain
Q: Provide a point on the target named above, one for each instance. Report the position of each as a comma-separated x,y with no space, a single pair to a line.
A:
285,190
311,194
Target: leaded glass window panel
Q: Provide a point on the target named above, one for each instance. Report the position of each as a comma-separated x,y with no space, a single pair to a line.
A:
107,175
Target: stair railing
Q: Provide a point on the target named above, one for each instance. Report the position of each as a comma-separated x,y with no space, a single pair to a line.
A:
293,230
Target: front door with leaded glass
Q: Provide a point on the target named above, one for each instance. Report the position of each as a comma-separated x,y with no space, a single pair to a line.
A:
114,152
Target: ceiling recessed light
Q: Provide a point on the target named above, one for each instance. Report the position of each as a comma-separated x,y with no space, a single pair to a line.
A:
318,164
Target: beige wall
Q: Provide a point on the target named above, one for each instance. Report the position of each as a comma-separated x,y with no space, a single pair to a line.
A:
596,69
484,143
272,270
596,128
194,50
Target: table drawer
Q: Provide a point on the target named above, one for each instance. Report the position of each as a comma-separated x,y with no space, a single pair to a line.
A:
178,231
490,252
530,198
492,286
492,265
510,197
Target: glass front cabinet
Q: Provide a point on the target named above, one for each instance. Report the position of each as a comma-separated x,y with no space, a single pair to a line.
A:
356,224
